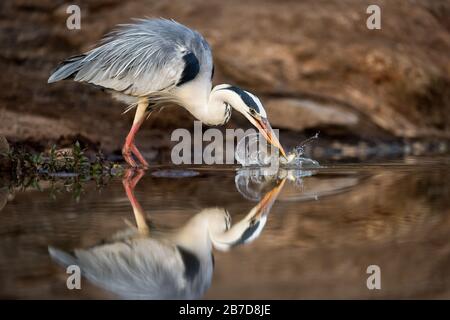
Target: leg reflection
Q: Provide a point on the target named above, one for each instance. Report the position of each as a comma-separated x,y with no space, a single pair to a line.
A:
130,180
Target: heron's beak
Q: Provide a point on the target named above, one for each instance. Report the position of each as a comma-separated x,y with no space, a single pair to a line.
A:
267,201
266,130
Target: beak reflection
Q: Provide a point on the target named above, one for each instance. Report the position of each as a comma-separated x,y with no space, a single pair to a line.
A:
264,206
266,130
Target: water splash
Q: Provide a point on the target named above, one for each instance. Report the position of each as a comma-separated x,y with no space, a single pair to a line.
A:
253,182
250,151
300,149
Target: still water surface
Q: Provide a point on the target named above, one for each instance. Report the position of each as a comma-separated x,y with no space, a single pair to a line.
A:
228,233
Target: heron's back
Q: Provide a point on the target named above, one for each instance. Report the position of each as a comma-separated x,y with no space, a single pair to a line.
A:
140,58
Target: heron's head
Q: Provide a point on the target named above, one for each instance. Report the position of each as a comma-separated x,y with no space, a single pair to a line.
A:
251,107
247,229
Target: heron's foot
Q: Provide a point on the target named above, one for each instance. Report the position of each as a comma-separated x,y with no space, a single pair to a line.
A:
130,150
139,156
128,156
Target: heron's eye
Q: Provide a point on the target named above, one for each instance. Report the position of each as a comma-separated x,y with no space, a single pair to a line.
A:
253,112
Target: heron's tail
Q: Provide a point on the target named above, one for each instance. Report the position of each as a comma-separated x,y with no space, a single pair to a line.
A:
67,69
62,257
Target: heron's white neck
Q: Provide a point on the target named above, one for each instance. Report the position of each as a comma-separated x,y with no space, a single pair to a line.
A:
210,107
195,234
211,227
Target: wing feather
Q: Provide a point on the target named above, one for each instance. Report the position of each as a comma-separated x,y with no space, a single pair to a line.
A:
144,57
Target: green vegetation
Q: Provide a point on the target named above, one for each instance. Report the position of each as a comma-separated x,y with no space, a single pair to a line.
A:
67,170
69,161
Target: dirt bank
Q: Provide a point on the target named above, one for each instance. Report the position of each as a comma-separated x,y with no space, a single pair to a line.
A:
315,65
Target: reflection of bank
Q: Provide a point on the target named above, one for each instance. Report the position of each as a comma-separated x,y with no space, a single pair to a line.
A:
6,194
146,263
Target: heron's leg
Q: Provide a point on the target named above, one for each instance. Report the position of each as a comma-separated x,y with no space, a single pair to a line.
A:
139,156
126,150
130,181
129,148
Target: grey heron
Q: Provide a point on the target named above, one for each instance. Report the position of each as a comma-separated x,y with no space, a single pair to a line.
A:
144,263
153,62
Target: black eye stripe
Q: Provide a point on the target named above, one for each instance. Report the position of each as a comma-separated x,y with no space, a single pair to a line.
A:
246,98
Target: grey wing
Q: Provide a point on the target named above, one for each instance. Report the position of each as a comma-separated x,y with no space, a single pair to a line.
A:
142,269
141,58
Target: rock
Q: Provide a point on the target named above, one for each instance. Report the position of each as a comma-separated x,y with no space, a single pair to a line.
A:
300,114
396,77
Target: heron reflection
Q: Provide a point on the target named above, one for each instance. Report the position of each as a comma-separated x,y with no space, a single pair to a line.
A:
144,262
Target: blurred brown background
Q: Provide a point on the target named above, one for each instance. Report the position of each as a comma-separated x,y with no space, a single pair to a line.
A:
314,64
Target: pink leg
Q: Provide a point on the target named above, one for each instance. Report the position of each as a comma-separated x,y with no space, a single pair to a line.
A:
129,147
139,156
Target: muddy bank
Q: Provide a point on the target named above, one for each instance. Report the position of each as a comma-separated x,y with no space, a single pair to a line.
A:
314,64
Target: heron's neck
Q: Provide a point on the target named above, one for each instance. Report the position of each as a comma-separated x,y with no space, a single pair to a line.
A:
211,108
194,235
209,228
